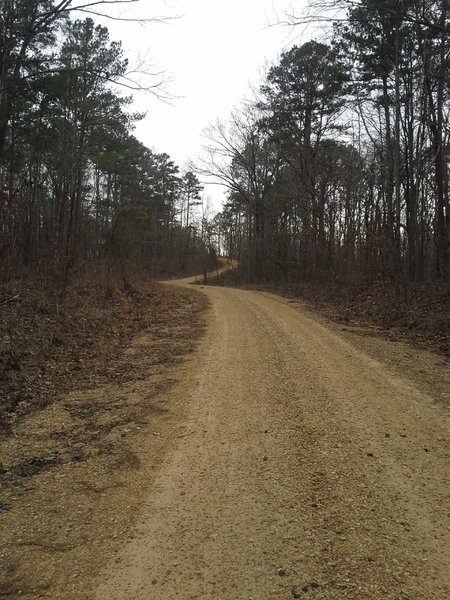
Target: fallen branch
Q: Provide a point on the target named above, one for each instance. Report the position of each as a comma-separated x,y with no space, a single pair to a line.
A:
8,300
429,304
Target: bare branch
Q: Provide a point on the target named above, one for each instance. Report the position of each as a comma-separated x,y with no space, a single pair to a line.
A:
329,12
66,7
159,20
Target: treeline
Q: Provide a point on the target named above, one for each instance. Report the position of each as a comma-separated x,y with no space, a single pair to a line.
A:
75,185
340,167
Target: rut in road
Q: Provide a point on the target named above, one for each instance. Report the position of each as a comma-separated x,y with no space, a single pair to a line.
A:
305,469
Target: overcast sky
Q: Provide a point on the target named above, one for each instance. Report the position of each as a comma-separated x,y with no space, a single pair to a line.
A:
212,54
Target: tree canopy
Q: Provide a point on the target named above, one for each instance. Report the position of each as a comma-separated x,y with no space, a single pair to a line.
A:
361,127
75,184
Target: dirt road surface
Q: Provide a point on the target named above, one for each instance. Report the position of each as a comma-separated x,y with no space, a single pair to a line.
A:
304,469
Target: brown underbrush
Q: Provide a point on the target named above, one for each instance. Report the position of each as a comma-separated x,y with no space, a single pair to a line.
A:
82,381
50,343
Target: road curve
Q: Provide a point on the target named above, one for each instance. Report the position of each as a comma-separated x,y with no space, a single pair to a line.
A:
304,469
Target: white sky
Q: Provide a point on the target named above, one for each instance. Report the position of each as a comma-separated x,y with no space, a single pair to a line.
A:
212,53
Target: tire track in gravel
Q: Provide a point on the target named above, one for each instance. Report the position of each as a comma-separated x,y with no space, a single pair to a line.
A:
304,469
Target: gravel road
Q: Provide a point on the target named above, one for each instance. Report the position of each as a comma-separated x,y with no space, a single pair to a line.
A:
304,469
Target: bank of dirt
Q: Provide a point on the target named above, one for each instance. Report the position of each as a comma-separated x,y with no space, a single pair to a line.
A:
419,314
83,380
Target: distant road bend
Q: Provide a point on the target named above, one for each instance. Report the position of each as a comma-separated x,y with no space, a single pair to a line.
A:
305,469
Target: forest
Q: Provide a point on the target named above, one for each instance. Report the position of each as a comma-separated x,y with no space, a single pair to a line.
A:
77,188
337,169
279,429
